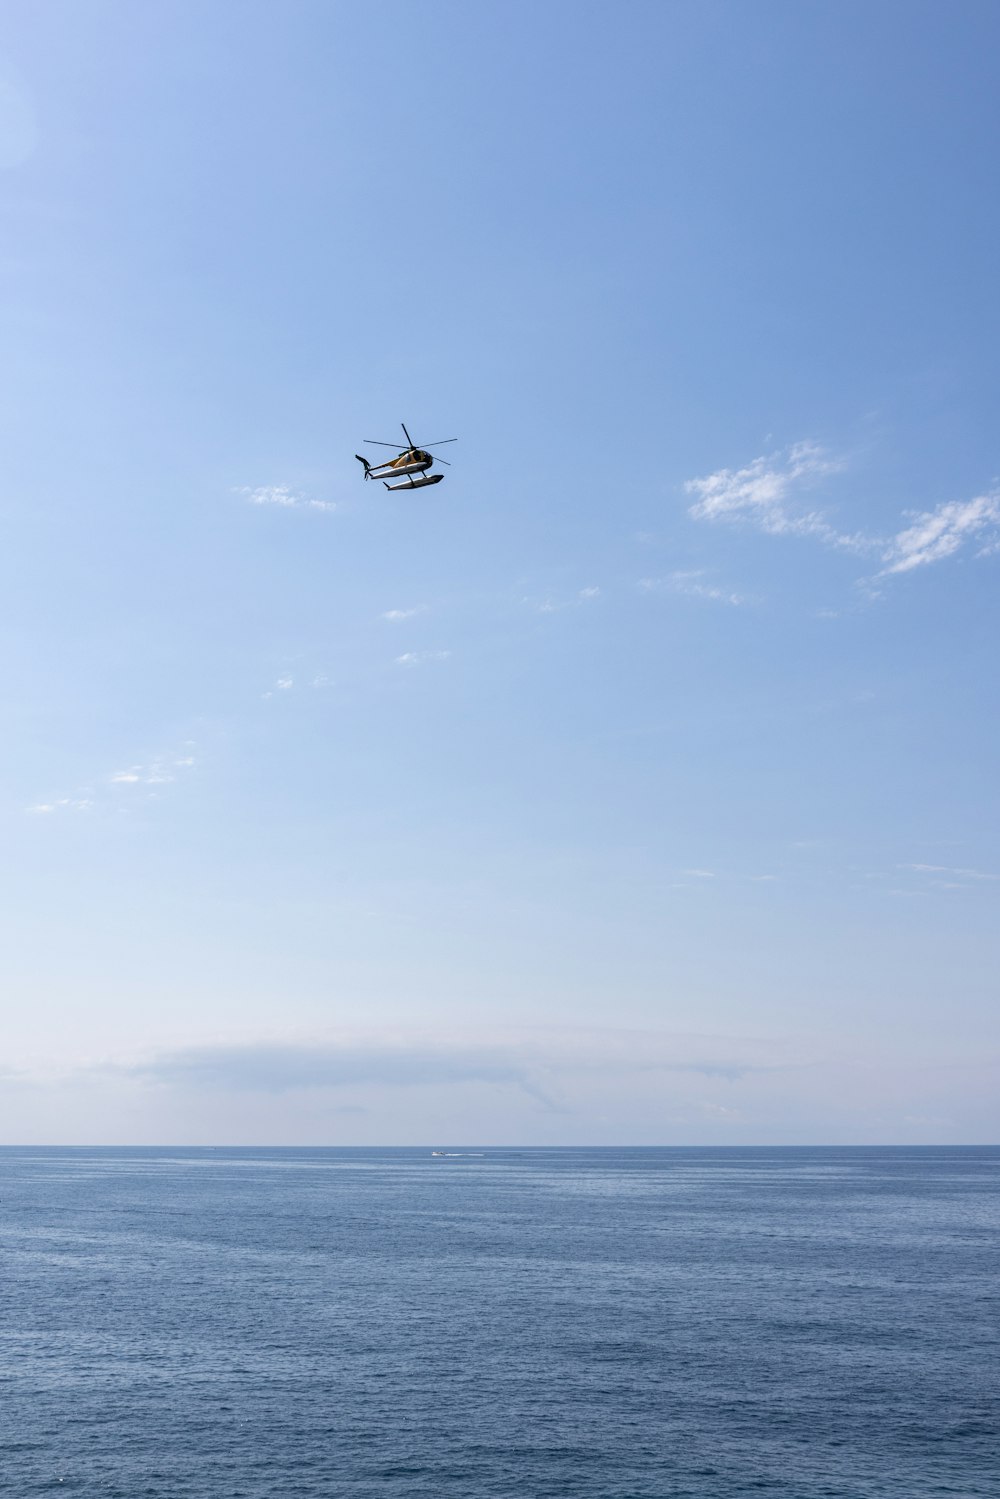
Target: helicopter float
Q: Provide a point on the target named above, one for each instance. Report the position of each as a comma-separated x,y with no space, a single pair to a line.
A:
410,465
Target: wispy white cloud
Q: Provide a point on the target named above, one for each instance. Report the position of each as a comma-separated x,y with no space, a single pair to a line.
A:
556,606
396,616
418,658
160,771
691,879
768,492
281,495
62,804
287,684
689,583
270,494
947,869
935,534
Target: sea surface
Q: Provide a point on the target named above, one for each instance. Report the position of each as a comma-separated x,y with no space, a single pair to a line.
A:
594,1324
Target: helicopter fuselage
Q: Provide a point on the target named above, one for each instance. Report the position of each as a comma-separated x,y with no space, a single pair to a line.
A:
413,461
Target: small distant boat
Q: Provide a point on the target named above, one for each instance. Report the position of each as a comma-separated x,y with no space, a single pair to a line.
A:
439,1152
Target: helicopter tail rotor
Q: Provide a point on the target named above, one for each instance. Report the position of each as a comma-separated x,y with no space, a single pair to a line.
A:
366,464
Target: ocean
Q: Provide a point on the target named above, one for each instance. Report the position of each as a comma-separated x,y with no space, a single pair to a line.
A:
588,1324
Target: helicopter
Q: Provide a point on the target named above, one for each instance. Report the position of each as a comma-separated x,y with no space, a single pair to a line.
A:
410,465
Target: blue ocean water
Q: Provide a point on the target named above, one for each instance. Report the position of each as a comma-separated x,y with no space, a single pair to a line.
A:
607,1323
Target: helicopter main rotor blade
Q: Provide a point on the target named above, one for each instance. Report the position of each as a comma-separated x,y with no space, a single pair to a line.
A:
435,459
376,444
429,445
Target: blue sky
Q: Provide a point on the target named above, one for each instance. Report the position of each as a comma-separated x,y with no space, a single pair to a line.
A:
637,783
